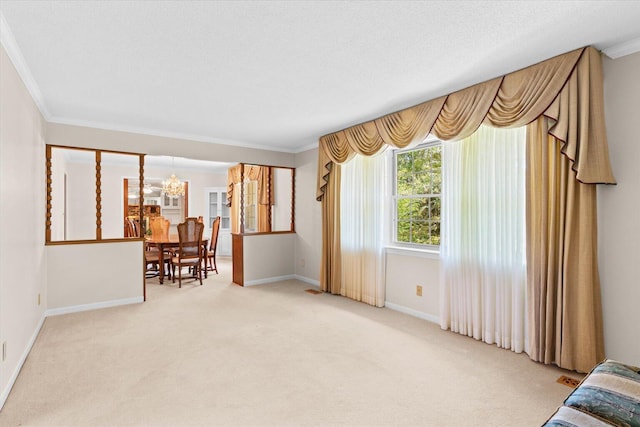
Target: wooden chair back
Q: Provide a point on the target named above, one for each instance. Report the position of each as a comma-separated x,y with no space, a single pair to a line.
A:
131,228
128,230
215,230
190,238
159,227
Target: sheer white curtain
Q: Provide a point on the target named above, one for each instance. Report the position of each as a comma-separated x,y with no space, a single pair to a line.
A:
483,237
362,219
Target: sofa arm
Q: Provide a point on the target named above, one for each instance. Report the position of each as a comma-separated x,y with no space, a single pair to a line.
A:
608,395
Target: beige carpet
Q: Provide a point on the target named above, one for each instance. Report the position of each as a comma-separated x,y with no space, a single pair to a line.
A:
222,355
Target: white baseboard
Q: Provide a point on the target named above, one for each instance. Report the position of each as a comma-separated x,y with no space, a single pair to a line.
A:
307,280
25,353
280,278
412,312
269,280
93,306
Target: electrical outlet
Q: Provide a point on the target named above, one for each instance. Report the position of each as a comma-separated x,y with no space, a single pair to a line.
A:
4,351
419,290
38,298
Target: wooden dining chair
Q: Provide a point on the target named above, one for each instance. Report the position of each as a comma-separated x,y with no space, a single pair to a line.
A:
128,231
131,228
159,231
151,255
159,227
213,243
189,253
152,262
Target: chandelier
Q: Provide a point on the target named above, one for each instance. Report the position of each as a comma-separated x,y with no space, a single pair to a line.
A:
173,187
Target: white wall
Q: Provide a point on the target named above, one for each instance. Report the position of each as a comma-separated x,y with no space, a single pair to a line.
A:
404,271
81,201
308,218
85,276
113,168
281,215
618,212
22,218
268,257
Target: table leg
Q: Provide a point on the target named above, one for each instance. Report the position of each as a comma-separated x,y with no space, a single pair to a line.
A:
204,253
161,263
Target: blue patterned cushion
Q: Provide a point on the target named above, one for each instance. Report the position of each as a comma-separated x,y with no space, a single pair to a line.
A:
609,395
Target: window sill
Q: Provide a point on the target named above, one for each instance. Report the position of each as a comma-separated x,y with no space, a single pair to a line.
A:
415,252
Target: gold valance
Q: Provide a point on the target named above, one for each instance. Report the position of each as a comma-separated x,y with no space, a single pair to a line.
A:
567,89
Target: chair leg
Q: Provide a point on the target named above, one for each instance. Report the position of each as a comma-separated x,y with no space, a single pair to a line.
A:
215,266
179,275
199,268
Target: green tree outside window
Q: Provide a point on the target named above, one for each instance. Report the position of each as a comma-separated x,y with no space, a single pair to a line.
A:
417,195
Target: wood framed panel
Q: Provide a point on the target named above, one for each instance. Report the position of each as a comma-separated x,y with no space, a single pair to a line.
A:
78,188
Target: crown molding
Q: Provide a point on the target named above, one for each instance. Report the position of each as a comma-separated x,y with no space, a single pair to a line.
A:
623,49
306,148
10,45
163,133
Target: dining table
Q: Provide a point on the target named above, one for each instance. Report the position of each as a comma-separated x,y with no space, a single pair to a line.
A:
164,244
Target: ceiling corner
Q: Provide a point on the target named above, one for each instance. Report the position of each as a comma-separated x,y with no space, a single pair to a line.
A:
15,55
623,49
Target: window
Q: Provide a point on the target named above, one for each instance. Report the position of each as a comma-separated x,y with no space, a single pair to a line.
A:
418,182
250,206
85,194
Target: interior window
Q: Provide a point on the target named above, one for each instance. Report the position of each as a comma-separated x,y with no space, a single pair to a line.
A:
84,193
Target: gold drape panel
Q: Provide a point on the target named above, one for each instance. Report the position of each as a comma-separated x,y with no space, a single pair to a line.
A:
563,284
264,199
331,267
567,91
235,210
234,178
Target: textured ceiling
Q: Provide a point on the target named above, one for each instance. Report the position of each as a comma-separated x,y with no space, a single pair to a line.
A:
281,74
